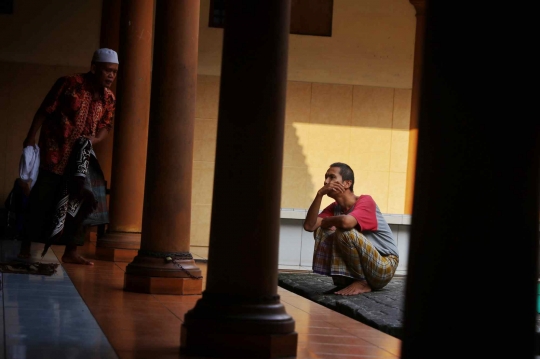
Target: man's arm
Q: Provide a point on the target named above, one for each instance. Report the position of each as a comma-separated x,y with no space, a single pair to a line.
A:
313,221
99,136
345,222
38,120
105,123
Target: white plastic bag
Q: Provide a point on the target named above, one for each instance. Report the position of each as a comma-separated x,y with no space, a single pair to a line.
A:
29,164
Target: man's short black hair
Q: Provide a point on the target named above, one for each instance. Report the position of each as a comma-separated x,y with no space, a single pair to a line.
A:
346,173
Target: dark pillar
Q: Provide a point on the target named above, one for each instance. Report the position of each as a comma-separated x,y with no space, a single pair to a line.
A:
472,276
167,198
240,313
131,131
109,37
420,7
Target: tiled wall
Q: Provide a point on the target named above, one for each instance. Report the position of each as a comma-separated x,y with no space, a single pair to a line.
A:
329,118
366,127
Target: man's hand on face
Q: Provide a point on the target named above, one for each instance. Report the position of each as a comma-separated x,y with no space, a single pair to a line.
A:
332,188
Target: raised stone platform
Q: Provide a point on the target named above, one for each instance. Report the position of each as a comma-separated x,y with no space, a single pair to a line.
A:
382,310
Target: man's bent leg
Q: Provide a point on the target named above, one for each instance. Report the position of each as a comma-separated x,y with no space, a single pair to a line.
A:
364,262
351,264
324,259
322,253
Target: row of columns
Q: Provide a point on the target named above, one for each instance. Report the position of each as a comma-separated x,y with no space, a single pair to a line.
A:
167,192
455,260
161,263
240,313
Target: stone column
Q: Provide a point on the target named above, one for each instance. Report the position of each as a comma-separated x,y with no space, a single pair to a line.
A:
472,278
420,6
164,264
122,239
240,313
109,38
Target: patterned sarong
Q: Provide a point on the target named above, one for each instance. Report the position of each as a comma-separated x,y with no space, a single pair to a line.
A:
349,254
82,198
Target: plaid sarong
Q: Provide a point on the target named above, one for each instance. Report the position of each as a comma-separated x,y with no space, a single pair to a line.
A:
349,254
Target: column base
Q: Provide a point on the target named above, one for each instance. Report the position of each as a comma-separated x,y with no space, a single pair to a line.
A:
239,326
224,345
162,285
163,273
118,246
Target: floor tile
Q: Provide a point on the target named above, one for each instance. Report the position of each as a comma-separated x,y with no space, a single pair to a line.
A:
46,317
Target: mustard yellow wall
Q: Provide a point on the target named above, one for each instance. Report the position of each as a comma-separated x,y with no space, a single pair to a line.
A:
366,127
51,32
39,42
22,88
348,96
348,99
372,44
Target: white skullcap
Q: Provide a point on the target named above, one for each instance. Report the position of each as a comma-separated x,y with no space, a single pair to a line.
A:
105,55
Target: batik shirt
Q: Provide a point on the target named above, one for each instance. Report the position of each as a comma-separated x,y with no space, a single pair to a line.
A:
71,112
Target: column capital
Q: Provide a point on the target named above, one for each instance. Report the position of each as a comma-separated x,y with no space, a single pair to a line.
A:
420,6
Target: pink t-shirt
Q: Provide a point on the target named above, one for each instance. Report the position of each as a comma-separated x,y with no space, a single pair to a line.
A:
370,222
364,211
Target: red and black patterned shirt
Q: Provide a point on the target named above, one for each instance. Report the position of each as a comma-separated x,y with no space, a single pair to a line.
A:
72,112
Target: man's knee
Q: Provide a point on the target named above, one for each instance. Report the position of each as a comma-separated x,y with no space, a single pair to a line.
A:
322,233
349,237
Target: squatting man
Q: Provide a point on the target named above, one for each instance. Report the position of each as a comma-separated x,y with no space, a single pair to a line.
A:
353,242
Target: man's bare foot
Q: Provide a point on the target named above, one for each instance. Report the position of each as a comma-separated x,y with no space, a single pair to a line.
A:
75,259
358,287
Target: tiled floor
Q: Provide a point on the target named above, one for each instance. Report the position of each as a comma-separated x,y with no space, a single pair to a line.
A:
46,318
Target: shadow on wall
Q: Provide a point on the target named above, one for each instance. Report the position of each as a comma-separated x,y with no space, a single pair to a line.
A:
296,177
297,188
365,127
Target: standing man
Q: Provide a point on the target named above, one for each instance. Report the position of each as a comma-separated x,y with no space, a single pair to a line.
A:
77,113
353,243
